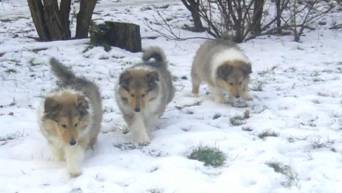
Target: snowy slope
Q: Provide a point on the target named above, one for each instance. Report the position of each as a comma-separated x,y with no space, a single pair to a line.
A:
297,90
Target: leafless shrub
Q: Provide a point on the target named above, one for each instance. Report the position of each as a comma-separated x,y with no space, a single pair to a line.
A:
245,19
313,11
193,6
165,29
280,5
294,16
242,17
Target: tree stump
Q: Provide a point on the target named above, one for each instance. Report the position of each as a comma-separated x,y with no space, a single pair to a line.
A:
118,34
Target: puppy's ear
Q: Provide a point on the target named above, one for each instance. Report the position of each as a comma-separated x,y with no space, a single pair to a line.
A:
124,79
82,105
51,107
151,79
223,71
246,68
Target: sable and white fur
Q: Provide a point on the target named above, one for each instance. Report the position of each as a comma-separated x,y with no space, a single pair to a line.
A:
70,117
143,93
224,67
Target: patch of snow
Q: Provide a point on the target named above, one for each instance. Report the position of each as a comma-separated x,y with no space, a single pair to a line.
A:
297,95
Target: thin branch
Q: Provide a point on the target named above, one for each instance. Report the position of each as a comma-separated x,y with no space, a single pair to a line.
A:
168,32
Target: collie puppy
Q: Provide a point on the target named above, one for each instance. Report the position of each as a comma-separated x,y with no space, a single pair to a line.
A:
224,67
143,93
70,117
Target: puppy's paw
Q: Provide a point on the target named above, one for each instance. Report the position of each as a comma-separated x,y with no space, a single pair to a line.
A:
75,174
239,104
74,171
143,139
247,97
145,143
196,95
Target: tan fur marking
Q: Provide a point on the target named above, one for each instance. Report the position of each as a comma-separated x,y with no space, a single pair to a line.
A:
137,92
235,81
68,121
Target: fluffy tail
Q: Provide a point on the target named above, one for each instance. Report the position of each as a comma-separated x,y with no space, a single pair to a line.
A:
61,71
157,54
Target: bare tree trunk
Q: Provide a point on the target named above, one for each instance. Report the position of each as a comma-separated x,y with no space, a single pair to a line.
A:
239,25
84,17
53,21
257,16
281,5
197,20
294,21
64,12
193,7
278,16
37,13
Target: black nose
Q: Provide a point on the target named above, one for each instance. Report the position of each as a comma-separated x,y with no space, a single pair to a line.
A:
237,96
137,109
72,142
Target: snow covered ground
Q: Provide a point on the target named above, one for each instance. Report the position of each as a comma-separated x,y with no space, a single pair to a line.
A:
295,118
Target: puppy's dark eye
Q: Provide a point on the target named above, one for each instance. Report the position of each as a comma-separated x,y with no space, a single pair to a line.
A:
132,95
231,84
143,95
64,126
76,124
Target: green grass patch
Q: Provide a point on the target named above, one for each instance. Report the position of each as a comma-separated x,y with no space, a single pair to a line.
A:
268,133
210,156
10,71
291,176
